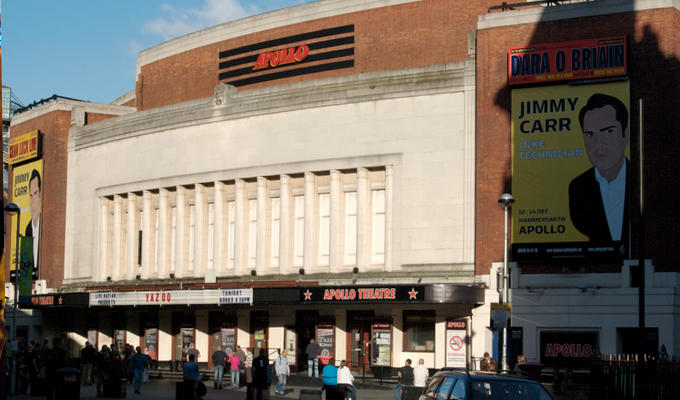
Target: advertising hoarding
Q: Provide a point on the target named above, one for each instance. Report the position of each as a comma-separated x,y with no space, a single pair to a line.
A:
569,146
578,59
456,343
27,188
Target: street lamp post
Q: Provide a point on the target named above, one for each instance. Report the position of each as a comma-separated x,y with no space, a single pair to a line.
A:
12,208
506,201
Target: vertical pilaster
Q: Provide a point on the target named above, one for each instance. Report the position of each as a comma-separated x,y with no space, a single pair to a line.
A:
285,194
131,237
262,243
389,189
104,246
363,218
181,234
220,237
148,235
335,259
240,225
200,230
310,225
117,244
164,237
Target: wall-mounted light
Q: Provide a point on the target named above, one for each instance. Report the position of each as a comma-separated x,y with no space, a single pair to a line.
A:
138,277
301,271
172,275
420,280
108,279
253,272
355,270
354,280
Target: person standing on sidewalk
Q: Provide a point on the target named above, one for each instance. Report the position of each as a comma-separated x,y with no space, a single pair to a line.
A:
282,370
420,374
260,385
346,381
219,359
88,355
138,362
234,364
313,350
405,378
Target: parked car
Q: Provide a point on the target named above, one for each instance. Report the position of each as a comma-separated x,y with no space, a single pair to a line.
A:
476,385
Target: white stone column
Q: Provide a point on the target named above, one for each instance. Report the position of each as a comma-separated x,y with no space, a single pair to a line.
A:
104,332
104,262
310,222
262,223
243,328
131,237
336,256
202,335
148,234
363,219
181,234
341,334
389,190
132,328
164,236
240,225
164,335
200,231
285,195
220,237
118,247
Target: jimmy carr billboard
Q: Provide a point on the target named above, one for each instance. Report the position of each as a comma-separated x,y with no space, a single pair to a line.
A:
571,171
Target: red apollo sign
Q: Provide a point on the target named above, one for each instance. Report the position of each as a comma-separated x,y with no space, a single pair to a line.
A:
281,57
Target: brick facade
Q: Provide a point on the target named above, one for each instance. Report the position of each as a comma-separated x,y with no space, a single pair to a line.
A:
654,71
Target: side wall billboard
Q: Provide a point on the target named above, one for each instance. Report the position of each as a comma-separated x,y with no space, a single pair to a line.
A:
571,171
27,188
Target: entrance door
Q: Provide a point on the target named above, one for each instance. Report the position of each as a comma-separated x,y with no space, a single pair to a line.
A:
359,343
305,327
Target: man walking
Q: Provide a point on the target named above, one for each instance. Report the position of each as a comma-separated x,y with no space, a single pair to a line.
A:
139,362
313,350
282,370
219,359
405,378
420,374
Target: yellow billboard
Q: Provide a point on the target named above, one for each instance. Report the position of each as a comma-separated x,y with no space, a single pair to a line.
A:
27,188
570,171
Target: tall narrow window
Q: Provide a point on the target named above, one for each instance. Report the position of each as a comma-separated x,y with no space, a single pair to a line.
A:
173,241
252,233
276,226
324,228
350,228
299,239
378,227
211,235
192,235
231,207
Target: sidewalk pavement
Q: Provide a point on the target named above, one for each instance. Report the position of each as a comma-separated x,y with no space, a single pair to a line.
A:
165,389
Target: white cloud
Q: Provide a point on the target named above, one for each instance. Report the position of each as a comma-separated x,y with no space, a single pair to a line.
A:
178,21
135,47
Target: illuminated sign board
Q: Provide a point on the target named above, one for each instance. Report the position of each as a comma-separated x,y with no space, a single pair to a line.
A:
579,59
170,297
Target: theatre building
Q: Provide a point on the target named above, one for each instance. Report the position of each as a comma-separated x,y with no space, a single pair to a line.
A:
332,171
305,173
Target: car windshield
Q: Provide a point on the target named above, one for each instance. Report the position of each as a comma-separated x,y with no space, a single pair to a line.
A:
497,389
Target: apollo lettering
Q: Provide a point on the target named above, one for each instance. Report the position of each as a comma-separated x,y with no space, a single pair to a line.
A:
568,350
281,57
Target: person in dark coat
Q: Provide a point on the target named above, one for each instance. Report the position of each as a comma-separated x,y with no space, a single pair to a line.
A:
260,376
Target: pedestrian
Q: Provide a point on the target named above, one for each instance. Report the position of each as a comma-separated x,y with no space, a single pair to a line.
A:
102,362
405,375
88,358
329,378
219,359
420,374
260,383
488,363
313,350
192,378
242,359
282,370
138,362
193,350
57,360
235,373
346,381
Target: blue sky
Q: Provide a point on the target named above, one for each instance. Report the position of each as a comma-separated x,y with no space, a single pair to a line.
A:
87,49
